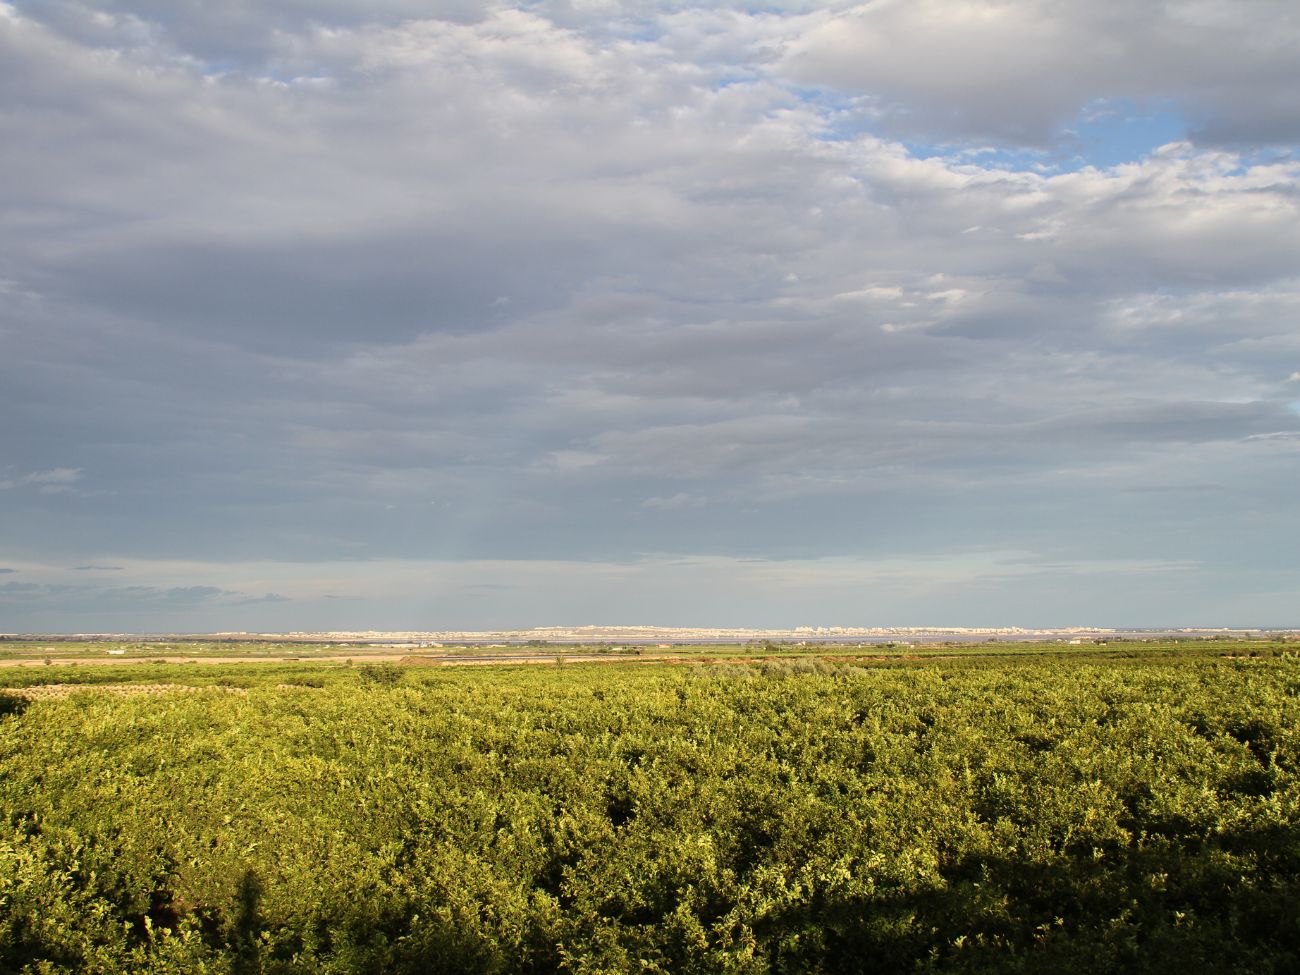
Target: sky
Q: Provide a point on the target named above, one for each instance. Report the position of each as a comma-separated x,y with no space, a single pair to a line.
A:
415,315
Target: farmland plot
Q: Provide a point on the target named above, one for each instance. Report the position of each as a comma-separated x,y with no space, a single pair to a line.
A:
1011,817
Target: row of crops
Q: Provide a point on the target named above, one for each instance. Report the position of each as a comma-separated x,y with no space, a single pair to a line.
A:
1029,815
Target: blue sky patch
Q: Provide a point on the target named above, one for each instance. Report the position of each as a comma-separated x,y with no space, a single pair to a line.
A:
1108,133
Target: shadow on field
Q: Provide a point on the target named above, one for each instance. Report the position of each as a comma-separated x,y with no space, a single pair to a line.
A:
1170,906
12,704
247,927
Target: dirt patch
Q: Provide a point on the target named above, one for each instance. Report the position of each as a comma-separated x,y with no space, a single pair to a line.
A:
48,692
104,661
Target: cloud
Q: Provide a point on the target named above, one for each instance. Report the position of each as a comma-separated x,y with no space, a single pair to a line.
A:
679,500
270,597
945,586
1023,72
6,571
97,568
56,480
12,588
125,597
57,475
269,250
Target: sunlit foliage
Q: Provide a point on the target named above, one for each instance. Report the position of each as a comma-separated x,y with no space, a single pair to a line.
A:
802,817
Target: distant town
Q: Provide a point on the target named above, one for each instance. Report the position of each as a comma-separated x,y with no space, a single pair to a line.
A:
672,635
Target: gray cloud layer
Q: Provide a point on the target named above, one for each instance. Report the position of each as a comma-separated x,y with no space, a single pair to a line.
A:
1020,71
298,283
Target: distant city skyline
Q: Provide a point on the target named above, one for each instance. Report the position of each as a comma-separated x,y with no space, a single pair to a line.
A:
406,317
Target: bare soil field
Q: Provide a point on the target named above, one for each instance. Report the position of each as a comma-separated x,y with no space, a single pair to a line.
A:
86,661
46,692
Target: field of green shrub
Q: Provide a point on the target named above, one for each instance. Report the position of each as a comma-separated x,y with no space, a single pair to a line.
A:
1021,815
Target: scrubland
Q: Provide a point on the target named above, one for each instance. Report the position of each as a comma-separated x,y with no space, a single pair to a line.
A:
1118,810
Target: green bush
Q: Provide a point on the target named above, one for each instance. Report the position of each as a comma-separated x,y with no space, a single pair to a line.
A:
383,675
